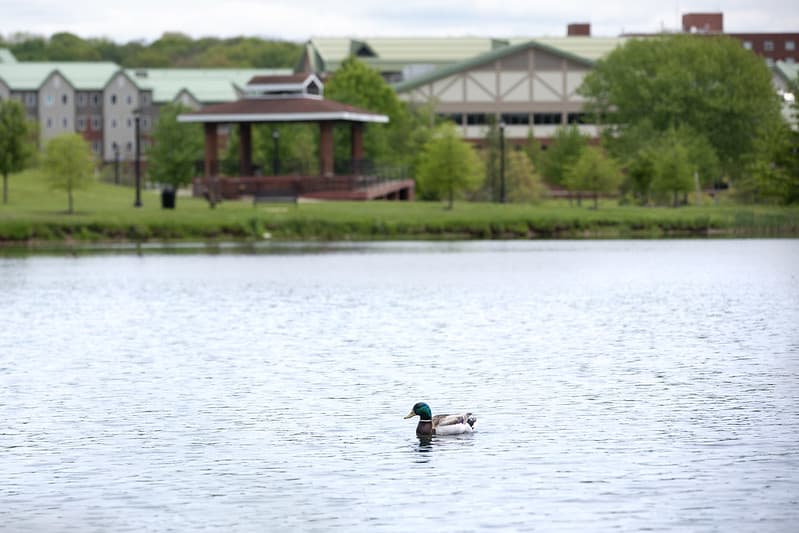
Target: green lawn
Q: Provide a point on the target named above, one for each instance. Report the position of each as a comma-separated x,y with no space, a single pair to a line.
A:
106,212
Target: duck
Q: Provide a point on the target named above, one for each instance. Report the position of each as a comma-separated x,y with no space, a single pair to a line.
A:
441,424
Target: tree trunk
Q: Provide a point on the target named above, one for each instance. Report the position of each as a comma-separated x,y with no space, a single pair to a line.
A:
5,188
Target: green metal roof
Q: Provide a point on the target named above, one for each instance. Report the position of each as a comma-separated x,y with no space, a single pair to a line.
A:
6,56
493,55
788,71
29,76
206,85
592,48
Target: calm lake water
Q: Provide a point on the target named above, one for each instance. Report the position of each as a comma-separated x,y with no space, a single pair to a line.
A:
619,385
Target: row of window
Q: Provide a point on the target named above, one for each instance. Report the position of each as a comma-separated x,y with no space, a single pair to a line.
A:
481,119
82,122
768,46
92,99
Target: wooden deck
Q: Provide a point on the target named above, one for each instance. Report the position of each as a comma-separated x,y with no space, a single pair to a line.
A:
312,187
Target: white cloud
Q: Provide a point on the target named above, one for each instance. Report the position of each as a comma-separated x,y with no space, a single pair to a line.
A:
298,20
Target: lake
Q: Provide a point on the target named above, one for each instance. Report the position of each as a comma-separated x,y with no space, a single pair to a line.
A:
618,385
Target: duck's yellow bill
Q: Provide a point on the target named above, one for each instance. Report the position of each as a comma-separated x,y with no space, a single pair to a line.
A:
410,415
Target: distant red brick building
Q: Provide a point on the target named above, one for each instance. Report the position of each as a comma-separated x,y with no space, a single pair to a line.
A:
772,46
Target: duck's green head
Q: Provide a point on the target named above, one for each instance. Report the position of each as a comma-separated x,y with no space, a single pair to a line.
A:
422,410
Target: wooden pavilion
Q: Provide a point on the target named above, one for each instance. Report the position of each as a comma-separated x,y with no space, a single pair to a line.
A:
292,99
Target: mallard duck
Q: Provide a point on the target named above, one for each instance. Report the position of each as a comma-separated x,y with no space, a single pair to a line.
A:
441,424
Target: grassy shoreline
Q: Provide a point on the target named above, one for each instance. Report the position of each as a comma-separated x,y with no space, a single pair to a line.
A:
35,216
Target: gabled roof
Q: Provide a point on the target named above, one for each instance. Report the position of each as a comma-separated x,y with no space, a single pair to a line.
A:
29,76
487,57
206,85
592,48
281,110
787,71
6,56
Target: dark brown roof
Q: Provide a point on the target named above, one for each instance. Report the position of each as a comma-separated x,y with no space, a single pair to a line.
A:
268,80
282,110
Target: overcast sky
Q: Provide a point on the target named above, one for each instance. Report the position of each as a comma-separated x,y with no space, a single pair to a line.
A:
298,20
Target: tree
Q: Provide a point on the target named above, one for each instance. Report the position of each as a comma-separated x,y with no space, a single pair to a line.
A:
523,183
357,84
567,145
177,146
448,164
69,164
15,150
594,172
710,84
673,170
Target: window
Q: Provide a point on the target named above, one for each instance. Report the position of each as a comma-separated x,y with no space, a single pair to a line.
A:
475,119
768,46
115,146
65,123
457,118
145,123
49,123
129,99
81,99
130,123
129,146
748,45
145,99
547,118
515,118
790,46
113,123
113,99
95,99
96,123
48,100
80,123
30,99
96,147
64,99
577,118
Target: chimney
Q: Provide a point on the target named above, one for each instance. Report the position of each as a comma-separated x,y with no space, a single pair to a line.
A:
579,29
703,22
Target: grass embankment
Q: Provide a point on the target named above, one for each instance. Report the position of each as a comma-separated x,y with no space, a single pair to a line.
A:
106,213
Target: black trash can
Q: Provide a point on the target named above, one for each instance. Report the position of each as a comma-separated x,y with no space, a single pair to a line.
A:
168,198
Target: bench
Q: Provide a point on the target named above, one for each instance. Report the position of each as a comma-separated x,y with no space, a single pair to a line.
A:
275,196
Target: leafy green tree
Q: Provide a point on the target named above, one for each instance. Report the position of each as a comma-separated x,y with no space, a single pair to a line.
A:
177,146
594,171
673,169
448,165
567,146
69,47
357,84
69,164
522,181
15,148
709,84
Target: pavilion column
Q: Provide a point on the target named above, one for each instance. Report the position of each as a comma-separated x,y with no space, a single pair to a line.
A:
356,147
326,148
211,145
245,149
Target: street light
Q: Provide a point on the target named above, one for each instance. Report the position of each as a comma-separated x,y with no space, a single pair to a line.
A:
502,162
116,164
136,118
276,156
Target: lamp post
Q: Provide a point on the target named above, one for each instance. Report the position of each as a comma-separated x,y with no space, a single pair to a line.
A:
502,162
276,155
137,168
116,164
